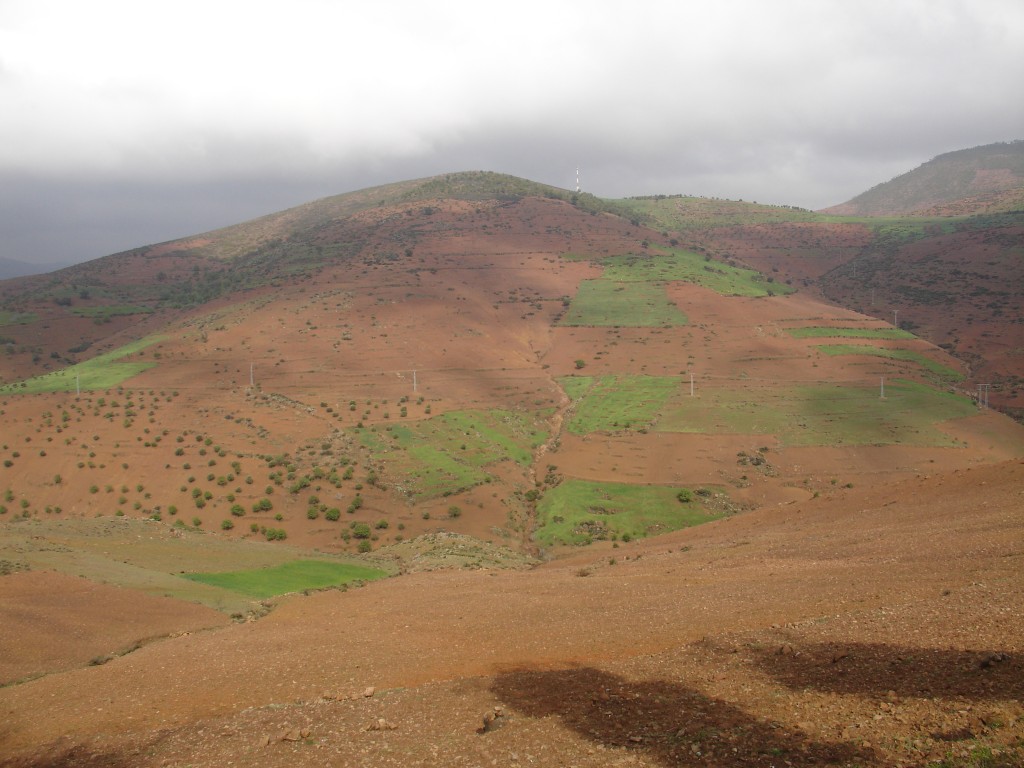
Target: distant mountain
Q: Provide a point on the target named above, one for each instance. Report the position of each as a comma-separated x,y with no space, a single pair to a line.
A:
986,179
13,268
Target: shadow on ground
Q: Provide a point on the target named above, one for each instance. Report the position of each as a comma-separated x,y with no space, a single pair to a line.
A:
875,669
672,723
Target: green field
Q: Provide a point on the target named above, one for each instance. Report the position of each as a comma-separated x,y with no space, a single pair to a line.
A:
627,304
295,576
665,265
824,332
451,453
906,355
614,403
581,511
683,212
823,414
102,372
16,318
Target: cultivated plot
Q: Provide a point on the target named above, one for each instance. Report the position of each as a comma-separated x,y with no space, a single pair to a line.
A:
451,453
295,576
102,372
578,512
823,414
609,303
615,403
663,265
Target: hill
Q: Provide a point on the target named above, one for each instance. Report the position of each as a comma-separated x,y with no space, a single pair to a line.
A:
620,460
986,179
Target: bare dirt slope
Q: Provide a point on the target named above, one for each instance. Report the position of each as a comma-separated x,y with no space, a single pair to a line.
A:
53,622
871,628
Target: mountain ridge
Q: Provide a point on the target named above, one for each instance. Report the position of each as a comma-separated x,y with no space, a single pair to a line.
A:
982,179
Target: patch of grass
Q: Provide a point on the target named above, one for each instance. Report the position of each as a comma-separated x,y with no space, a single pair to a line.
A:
451,452
102,372
668,265
16,318
576,386
613,403
938,369
825,332
294,576
682,212
577,512
628,304
824,414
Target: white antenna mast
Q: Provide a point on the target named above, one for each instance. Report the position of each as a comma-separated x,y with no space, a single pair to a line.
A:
577,179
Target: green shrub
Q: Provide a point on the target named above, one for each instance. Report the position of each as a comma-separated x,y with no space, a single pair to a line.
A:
226,525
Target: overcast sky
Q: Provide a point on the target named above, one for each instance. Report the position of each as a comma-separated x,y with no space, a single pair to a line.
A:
129,122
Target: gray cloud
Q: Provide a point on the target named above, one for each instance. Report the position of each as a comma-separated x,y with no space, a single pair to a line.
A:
128,123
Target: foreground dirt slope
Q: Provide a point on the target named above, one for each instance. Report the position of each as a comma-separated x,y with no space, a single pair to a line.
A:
871,628
52,621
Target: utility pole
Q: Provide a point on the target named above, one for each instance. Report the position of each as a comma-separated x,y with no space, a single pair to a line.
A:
691,383
414,381
251,377
895,318
78,387
881,395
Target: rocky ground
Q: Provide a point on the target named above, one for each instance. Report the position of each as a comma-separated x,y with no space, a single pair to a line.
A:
880,628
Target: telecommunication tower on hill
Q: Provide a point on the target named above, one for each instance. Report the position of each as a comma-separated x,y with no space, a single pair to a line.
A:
577,179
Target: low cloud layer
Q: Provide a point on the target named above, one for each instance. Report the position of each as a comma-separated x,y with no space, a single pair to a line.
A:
126,123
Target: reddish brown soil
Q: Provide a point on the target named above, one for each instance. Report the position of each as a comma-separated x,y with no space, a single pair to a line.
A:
873,628
52,622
